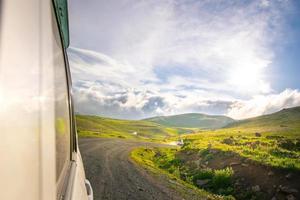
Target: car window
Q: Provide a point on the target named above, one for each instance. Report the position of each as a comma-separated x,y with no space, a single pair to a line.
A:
62,112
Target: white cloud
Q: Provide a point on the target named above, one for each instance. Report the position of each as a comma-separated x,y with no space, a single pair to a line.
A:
260,105
265,3
172,56
101,88
113,100
91,65
136,104
215,39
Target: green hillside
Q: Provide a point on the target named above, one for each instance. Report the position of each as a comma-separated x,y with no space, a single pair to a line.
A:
272,139
193,120
284,120
255,153
108,127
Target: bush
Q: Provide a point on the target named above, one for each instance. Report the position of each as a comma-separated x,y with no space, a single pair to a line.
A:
222,178
220,181
277,152
208,157
204,152
229,141
291,145
176,162
166,164
203,174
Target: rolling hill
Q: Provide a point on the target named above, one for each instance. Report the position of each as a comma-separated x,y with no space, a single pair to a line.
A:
260,145
107,127
286,119
192,120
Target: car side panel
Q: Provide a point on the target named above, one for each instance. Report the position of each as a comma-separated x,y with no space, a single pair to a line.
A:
19,101
79,190
27,108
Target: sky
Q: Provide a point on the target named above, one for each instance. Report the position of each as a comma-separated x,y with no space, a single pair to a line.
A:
133,59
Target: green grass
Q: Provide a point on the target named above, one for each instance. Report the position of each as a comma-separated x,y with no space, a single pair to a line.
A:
262,149
162,161
282,122
272,140
193,120
222,178
94,126
219,181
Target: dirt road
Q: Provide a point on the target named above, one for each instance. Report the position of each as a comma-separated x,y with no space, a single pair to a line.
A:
113,176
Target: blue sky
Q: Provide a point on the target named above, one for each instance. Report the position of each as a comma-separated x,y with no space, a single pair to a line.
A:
286,65
134,59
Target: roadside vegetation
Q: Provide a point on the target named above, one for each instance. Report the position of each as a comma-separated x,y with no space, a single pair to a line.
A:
162,161
257,158
272,140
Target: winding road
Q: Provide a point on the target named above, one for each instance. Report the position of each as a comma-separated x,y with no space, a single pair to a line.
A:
115,177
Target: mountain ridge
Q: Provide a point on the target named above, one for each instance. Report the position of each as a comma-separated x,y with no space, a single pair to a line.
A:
192,120
280,118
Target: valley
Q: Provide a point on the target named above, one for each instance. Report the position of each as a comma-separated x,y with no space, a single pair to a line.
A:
257,158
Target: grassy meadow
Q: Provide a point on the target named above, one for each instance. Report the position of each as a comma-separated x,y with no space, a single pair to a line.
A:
95,126
249,159
257,158
271,139
192,120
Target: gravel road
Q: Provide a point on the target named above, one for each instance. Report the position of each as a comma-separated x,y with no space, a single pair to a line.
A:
113,176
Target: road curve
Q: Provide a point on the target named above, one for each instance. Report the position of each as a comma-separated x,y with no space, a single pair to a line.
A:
113,176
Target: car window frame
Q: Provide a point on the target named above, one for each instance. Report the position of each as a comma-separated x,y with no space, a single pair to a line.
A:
69,175
61,10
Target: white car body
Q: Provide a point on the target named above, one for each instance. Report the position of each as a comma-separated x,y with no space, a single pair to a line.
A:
36,108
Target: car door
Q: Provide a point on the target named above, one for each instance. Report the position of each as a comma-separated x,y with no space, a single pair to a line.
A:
39,155
70,177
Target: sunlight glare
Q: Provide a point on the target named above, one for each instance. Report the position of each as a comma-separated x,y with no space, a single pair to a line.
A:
246,78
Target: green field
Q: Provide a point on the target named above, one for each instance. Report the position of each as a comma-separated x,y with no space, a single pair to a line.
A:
238,159
257,158
95,126
271,139
192,120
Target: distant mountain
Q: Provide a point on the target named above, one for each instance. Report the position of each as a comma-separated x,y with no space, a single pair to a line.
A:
192,120
288,118
88,125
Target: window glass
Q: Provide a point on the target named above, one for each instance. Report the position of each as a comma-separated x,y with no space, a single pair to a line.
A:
62,115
